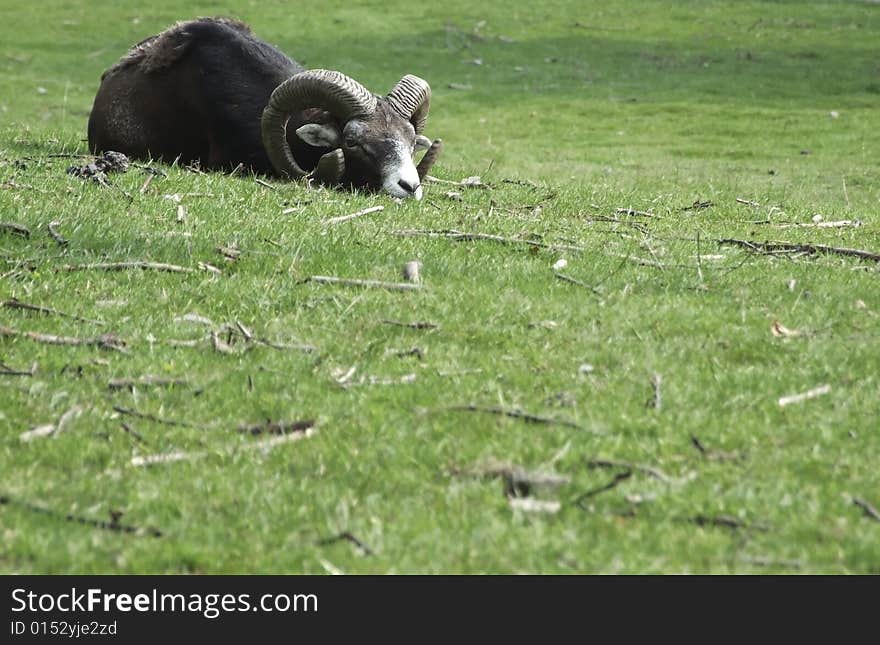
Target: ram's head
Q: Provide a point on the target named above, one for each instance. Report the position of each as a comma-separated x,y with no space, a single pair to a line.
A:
371,139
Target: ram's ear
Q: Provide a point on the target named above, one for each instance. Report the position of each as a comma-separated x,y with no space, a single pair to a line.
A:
422,142
320,135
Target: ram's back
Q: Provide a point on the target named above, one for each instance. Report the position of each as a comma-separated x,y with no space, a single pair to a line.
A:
194,92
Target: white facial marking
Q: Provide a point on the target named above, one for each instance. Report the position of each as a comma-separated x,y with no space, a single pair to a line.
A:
399,176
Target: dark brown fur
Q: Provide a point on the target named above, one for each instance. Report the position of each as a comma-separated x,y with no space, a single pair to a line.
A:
194,92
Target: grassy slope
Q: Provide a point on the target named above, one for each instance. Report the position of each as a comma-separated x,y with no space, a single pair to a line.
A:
644,105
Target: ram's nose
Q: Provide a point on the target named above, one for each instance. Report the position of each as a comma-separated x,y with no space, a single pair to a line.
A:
415,190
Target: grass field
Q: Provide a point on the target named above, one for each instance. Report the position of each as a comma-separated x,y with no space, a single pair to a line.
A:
653,374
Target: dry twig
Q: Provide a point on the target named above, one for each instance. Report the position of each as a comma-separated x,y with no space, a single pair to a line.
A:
122,266
656,384
411,325
55,235
15,303
178,455
370,284
15,229
811,249
656,473
347,536
517,414
518,482
870,510
104,341
360,213
619,477
804,396
569,279
724,521
112,525
468,237
716,455
277,427
631,211
146,380
150,417
5,370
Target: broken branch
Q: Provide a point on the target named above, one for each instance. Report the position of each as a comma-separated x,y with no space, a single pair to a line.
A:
517,414
468,237
122,266
5,370
266,444
656,473
151,417
348,537
55,235
619,477
15,229
146,380
411,325
811,249
277,427
104,341
569,279
370,284
870,510
15,303
112,525
804,396
360,213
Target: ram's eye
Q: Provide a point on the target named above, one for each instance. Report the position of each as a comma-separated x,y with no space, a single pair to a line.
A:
351,142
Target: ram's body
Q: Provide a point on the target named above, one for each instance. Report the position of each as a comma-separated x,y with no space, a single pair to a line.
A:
198,92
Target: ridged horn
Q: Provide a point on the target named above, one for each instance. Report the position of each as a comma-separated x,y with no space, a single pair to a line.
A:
333,91
411,98
429,159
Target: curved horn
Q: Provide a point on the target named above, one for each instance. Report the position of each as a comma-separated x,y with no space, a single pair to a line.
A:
335,92
330,168
429,159
411,98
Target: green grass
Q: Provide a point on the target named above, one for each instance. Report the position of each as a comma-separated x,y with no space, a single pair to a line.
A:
648,105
